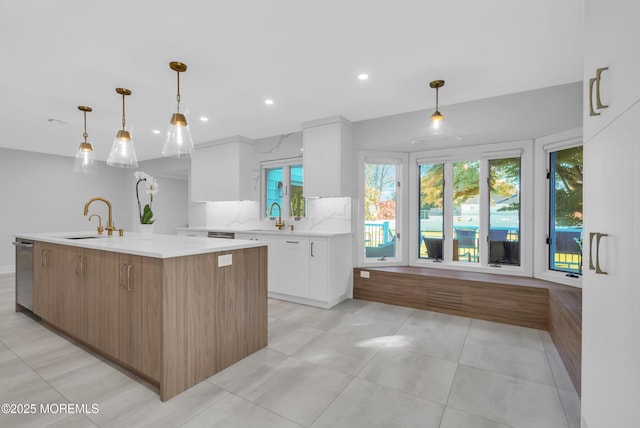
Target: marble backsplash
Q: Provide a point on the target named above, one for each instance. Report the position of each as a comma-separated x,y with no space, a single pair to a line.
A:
323,215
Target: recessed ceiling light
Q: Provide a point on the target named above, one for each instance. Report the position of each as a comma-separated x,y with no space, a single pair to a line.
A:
268,101
363,76
155,131
204,119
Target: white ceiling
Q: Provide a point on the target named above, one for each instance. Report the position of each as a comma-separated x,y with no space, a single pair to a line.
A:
306,55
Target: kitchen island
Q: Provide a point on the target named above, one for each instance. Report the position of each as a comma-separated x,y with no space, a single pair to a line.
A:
173,309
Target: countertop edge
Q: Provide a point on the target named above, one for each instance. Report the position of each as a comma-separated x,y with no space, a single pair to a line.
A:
158,246
309,233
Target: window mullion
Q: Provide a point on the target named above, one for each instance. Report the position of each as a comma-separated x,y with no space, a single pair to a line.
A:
447,246
483,231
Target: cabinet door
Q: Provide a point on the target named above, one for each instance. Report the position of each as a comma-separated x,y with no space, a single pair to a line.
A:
319,269
611,302
289,266
611,40
139,309
130,309
223,172
79,266
47,276
102,302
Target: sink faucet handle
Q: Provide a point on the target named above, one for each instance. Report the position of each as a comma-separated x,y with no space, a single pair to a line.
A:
100,228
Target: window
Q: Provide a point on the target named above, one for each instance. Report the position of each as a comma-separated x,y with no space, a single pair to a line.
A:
284,186
565,210
466,211
431,218
466,222
380,210
504,211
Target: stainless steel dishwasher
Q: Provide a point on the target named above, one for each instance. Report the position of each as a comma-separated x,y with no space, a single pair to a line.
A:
24,273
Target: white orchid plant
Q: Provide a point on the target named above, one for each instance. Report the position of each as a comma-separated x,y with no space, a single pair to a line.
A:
146,215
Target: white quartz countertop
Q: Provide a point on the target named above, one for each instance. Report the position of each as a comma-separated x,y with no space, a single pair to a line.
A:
158,246
274,231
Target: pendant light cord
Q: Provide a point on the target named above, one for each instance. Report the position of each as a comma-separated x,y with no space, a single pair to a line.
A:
84,134
178,97
123,116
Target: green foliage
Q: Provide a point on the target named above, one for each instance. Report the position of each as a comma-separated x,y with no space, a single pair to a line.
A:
297,204
431,189
379,181
568,189
147,215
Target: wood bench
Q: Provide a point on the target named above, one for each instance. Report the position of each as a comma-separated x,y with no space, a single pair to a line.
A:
526,302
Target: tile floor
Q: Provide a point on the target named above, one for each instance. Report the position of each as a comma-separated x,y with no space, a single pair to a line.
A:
360,364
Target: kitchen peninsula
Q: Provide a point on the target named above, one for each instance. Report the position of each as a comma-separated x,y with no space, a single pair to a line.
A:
173,309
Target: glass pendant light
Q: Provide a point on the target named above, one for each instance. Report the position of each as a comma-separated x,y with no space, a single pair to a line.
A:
83,162
437,127
123,154
178,143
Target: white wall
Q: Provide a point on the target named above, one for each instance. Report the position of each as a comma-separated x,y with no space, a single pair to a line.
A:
171,203
513,117
39,193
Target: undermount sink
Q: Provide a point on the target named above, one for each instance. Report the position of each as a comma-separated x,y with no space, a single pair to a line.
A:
82,237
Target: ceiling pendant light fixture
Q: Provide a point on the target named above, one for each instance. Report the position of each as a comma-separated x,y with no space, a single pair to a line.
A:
437,117
178,143
83,162
437,127
123,154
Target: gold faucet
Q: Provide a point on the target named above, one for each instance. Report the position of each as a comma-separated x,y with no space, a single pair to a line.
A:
100,228
110,227
279,223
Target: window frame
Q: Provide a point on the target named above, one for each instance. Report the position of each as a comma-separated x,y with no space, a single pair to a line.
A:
483,153
286,165
400,160
543,148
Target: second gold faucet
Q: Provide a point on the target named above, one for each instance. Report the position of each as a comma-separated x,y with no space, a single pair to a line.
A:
279,222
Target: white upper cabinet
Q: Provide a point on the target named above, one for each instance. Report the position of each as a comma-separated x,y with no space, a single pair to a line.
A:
327,157
224,171
611,40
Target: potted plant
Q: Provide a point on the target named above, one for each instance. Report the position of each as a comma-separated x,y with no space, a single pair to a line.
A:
146,214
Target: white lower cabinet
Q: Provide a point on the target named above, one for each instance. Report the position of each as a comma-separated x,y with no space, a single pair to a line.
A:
315,271
289,266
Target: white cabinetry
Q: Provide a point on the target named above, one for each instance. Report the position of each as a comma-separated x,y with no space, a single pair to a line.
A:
224,171
611,296
611,40
327,157
316,271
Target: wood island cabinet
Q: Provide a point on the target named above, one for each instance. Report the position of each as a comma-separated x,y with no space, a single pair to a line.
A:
175,321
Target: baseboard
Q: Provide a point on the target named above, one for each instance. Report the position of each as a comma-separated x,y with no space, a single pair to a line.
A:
309,302
8,269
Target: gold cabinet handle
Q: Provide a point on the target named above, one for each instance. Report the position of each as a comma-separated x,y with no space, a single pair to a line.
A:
592,112
78,258
44,261
599,104
598,270
83,267
120,275
129,269
596,81
591,236
596,267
